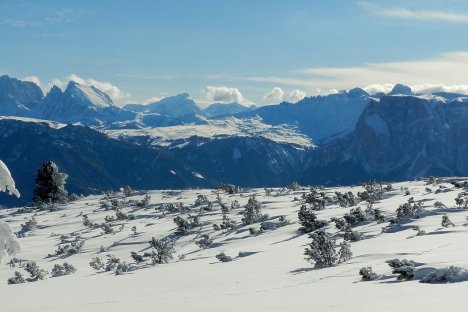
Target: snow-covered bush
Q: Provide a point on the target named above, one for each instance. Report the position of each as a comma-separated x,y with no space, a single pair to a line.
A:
87,222
136,257
313,198
355,216
127,191
223,257
404,268
9,244
184,225
235,205
97,264
346,199
308,220
294,186
64,269
446,275
367,274
204,242
35,272
50,184
144,203
122,268
107,229
344,253
72,248
408,209
111,263
16,279
350,235
252,212
163,250
321,250
202,200
446,222
229,188
28,226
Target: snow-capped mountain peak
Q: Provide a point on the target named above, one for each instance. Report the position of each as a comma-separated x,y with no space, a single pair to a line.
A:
88,96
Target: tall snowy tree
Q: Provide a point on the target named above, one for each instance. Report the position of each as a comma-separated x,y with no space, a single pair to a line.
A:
50,184
9,245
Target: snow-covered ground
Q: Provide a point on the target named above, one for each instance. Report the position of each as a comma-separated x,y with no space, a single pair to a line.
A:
217,128
271,274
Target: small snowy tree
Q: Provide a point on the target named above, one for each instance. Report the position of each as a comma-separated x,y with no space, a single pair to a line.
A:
7,184
344,253
9,244
321,250
163,250
252,212
446,221
367,274
50,184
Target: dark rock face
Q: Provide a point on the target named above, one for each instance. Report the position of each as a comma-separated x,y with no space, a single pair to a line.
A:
399,138
18,98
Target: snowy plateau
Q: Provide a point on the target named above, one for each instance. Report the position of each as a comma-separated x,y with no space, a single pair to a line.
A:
267,271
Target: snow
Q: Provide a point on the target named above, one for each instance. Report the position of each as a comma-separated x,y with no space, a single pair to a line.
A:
271,275
212,129
51,124
85,95
7,184
9,244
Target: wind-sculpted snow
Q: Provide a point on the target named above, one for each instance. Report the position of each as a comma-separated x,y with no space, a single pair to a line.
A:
7,184
9,244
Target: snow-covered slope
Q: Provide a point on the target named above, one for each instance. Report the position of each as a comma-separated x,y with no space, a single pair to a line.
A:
18,98
81,104
321,118
172,106
222,109
268,271
219,128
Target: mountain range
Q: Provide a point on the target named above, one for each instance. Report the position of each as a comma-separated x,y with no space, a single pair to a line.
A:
347,137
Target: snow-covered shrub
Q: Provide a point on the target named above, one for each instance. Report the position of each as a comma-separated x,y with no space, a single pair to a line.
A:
373,191
350,235
223,257
308,220
446,275
136,257
340,223
321,250
97,264
235,205
229,188
50,184
408,209
344,253
439,204
374,214
9,244
107,229
111,263
204,242
355,216
127,191
184,225
73,248
28,226
16,279
202,200
252,212
35,272
367,274
163,250
446,222
87,222
313,198
404,268
64,269
122,268
227,224
462,200
346,199
144,203
294,186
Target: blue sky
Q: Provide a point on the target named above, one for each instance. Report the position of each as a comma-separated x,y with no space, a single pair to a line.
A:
255,51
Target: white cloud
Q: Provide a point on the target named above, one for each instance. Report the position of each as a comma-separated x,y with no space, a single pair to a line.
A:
152,100
444,72
224,95
296,95
420,15
113,91
274,96
34,79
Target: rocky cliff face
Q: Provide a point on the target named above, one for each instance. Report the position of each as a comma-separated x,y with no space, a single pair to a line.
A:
399,137
18,98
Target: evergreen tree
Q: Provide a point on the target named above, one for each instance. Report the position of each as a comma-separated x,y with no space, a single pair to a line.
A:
50,184
321,250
